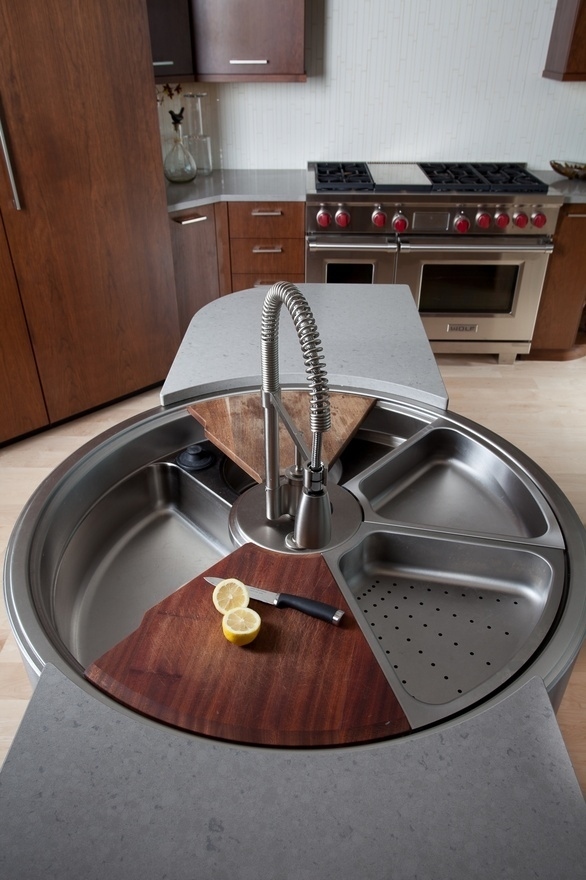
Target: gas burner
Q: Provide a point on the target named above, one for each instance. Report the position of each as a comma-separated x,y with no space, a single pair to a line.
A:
510,178
343,177
454,177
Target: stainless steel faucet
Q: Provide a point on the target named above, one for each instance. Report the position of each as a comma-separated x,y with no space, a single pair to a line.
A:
302,493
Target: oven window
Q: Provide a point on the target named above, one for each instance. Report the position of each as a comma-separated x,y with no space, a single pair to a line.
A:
349,273
468,289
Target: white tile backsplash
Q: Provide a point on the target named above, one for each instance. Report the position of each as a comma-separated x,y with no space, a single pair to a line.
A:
407,80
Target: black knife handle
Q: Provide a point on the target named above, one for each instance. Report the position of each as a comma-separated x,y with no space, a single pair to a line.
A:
311,607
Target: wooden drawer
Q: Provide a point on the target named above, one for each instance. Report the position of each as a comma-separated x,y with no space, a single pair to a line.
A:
253,255
246,281
266,219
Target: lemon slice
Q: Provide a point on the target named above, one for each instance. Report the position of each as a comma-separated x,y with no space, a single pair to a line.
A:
230,593
241,625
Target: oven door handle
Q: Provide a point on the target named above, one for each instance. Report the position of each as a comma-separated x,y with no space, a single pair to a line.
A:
542,247
388,247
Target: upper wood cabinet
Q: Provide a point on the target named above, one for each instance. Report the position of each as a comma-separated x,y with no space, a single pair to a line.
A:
249,40
171,42
90,247
566,58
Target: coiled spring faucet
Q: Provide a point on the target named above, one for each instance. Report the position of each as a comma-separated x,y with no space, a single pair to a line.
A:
303,493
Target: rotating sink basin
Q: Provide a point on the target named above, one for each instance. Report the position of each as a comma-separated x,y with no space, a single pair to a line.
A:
466,572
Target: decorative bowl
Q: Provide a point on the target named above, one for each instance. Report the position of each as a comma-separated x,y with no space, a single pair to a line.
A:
573,170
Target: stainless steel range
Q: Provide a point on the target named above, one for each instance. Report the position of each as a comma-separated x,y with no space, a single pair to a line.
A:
472,241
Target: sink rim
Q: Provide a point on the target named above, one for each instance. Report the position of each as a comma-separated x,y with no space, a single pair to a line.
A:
553,664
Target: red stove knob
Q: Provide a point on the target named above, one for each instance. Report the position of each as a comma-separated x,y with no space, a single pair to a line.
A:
342,218
379,218
324,218
521,220
461,223
483,220
400,222
502,220
538,219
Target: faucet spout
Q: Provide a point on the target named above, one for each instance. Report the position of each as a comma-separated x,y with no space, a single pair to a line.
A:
313,512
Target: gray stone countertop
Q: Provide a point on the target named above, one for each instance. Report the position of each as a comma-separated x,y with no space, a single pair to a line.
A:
233,185
87,791
372,337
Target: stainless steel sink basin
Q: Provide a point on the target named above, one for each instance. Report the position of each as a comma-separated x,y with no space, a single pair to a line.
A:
466,574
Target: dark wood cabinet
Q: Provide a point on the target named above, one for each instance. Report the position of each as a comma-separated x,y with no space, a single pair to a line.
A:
195,257
566,57
171,40
91,247
251,40
564,291
23,407
267,243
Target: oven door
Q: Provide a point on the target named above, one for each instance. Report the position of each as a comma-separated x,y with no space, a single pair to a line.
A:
475,290
350,259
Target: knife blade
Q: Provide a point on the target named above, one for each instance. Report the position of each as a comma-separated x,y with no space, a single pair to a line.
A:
287,600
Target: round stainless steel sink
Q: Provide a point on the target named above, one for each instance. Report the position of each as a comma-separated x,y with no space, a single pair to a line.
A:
467,573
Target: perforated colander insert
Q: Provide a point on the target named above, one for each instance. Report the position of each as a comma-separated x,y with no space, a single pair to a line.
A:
443,640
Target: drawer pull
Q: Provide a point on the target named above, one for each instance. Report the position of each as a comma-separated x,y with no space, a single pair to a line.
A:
259,213
248,61
576,215
267,250
187,220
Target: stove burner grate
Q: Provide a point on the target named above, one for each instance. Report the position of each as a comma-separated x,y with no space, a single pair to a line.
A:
343,176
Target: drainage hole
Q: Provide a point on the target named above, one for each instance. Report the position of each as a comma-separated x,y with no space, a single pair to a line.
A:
386,616
446,677
488,626
454,615
421,603
440,635
459,690
456,644
420,652
472,653
507,634
488,663
432,664
380,638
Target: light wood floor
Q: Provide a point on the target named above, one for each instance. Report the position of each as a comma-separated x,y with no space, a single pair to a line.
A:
538,406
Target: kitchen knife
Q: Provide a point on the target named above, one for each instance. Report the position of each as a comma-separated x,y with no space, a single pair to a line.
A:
287,600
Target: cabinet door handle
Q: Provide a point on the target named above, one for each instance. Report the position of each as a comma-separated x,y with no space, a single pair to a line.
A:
163,63
185,221
249,61
267,250
575,215
258,213
8,163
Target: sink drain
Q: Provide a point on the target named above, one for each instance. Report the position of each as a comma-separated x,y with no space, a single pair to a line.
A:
445,640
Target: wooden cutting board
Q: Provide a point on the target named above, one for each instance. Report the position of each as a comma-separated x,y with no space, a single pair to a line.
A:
235,424
302,682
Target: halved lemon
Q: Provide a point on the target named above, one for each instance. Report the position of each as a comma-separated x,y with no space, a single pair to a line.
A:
230,593
241,625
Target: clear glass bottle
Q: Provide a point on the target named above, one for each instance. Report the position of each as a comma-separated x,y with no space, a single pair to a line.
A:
198,143
179,165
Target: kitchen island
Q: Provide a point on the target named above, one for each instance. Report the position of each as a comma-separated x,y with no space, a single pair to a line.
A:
90,790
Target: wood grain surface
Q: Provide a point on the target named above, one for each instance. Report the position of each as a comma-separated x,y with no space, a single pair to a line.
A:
235,425
302,682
